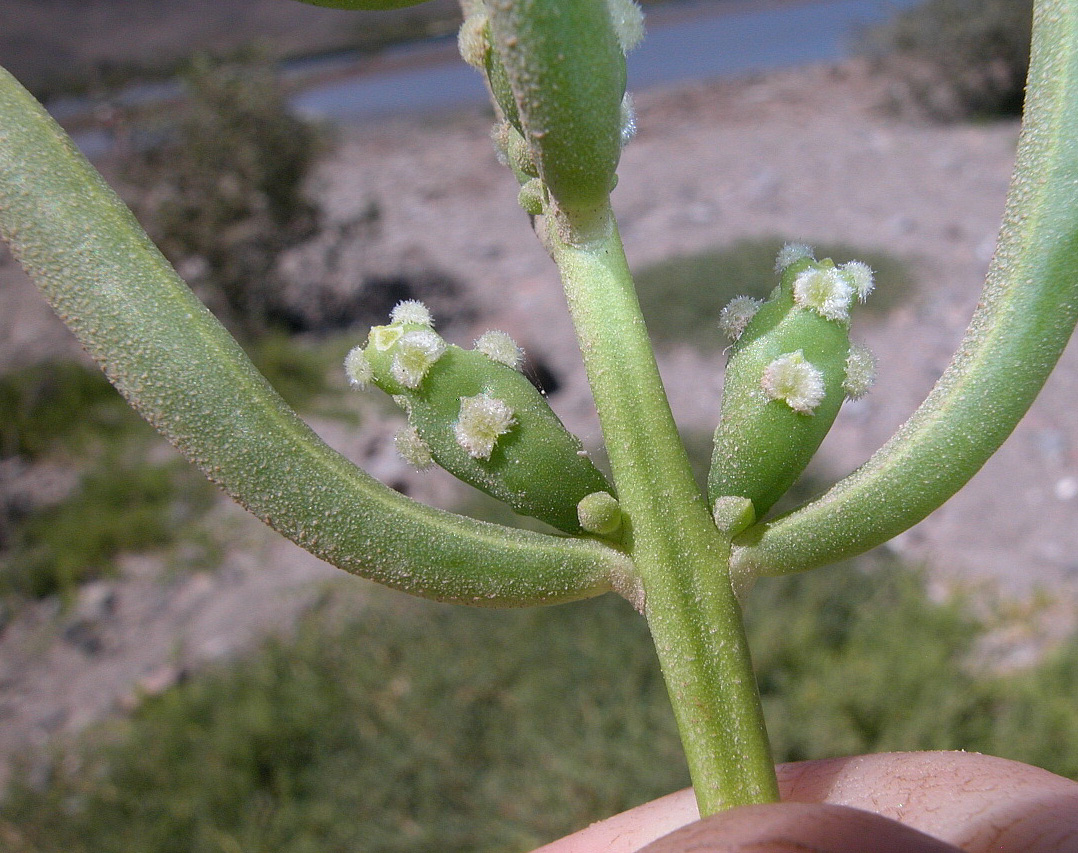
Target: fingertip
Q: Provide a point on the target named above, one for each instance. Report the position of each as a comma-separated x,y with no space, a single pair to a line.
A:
798,828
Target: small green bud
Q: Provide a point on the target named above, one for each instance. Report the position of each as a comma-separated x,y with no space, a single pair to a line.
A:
520,156
789,371
599,513
501,348
532,197
565,71
482,420
733,514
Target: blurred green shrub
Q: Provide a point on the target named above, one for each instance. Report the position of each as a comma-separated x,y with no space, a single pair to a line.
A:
221,187
121,504
681,297
959,58
124,497
58,404
417,726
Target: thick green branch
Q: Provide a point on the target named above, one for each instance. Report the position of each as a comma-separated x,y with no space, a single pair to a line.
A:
179,367
678,551
1026,315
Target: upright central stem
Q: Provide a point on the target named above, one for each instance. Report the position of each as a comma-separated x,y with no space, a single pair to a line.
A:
682,558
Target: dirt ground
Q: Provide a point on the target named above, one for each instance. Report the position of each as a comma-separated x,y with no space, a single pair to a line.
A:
812,155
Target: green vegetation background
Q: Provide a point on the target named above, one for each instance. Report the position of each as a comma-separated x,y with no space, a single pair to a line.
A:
413,726
391,724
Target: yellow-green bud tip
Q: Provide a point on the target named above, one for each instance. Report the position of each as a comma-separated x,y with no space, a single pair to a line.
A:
499,347
599,513
483,419
416,353
794,381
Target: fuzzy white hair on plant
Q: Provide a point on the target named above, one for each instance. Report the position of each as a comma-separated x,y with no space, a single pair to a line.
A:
794,381
411,311
483,419
791,253
500,347
736,315
826,291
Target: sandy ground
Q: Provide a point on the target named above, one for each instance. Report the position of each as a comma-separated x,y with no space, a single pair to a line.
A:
810,155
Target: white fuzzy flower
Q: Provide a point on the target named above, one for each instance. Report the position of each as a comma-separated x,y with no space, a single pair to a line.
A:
473,42
736,315
483,419
417,351
826,291
628,19
860,371
499,347
860,277
358,368
412,448
794,381
791,253
411,311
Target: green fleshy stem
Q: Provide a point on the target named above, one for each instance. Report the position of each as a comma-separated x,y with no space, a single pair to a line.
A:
566,71
179,367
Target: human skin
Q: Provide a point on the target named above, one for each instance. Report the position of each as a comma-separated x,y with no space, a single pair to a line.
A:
918,802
